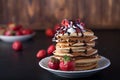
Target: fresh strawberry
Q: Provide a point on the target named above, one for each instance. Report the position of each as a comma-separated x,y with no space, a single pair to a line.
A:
41,54
13,26
17,45
67,64
9,33
56,27
82,24
49,32
18,33
50,49
26,31
65,22
53,63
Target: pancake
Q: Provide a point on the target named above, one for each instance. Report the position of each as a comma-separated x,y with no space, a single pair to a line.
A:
87,60
77,42
73,49
86,67
75,54
74,44
77,39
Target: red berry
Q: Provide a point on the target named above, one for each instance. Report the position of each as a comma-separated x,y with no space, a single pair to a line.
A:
49,32
26,31
50,49
65,22
41,54
18,33
56,27
67,64
17,45
53,63
82,24
9,33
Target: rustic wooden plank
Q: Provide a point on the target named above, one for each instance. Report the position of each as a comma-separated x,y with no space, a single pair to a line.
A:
41,14
93,13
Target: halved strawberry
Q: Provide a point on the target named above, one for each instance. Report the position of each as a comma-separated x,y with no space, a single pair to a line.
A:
65,22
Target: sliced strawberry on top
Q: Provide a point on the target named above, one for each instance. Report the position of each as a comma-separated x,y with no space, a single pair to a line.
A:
65,22
56,27
82,24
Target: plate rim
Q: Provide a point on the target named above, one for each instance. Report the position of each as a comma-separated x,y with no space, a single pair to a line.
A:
18,36
84,71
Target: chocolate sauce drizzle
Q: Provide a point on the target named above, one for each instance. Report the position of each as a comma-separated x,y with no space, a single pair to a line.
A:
63,29
85,44
70,50
85,51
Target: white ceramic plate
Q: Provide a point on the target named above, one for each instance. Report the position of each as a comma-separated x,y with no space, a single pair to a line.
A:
16,38
103,63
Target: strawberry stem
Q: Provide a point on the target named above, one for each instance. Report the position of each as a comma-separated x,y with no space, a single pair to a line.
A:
66,58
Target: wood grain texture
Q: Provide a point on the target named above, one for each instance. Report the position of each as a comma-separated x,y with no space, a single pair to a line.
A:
41,14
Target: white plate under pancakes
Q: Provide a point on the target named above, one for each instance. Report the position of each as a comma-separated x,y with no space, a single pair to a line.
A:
102,64
16,38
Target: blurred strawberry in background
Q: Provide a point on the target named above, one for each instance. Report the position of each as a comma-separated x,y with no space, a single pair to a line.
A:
41,54
50,49
49,32
14,26
56,27
9,33
14,29
26,31
17,46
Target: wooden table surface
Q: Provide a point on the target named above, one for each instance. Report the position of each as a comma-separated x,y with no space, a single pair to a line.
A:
23,65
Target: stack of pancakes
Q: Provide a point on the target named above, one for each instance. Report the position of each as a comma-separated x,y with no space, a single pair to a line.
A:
79,46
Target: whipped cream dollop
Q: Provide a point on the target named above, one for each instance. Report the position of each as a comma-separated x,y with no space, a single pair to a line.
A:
70,26
71,30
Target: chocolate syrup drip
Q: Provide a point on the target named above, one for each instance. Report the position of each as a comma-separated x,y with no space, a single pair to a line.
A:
85,51
85,44
68,33
75,23
81,31
70,50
